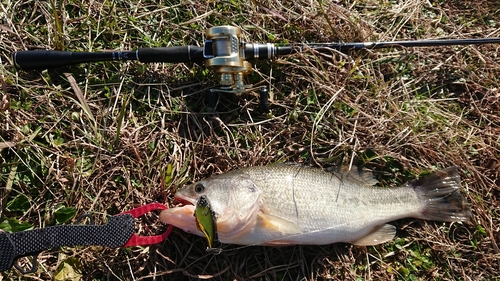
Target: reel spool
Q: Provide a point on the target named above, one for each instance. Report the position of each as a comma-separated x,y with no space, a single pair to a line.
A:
227,55
228,59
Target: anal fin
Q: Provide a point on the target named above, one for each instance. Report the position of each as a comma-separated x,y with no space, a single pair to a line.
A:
276,224
379,235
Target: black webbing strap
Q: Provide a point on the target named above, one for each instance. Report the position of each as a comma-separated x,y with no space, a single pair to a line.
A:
114,234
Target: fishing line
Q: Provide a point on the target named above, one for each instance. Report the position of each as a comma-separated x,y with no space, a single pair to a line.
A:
340,178
335,172
293,192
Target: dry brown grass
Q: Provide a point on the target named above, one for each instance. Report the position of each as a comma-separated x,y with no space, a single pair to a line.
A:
400,112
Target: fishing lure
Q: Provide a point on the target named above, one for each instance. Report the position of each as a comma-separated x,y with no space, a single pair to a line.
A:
206,222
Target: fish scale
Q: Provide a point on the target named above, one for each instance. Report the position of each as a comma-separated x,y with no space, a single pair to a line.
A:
326,188
324,204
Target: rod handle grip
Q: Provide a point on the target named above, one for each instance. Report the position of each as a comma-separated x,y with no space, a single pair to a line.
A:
184,54
44,59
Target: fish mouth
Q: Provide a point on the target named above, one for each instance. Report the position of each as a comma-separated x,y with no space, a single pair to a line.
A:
184,200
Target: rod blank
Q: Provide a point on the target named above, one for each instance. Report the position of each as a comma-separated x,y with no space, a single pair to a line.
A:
415,43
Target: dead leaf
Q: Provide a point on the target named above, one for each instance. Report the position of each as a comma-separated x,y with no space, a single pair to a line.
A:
7,144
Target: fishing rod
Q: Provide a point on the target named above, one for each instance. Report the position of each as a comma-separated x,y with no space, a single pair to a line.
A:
223,51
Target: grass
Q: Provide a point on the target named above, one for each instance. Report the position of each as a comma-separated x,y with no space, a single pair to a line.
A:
106,137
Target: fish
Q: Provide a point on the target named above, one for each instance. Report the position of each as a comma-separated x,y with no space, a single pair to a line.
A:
288,204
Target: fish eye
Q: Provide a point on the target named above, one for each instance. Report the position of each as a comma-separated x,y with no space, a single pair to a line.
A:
198,188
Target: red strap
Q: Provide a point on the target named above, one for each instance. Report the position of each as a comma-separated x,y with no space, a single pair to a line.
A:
137,240
137,212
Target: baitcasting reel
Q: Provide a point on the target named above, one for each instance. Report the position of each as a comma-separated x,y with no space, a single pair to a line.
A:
226,54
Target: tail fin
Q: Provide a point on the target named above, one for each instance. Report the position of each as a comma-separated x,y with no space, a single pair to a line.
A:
440,195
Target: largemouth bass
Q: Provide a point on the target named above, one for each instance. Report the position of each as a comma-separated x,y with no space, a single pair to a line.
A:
290,204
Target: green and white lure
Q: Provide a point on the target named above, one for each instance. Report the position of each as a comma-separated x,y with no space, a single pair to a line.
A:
206,222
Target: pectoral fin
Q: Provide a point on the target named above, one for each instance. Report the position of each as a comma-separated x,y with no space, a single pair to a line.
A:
276,224
379,235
